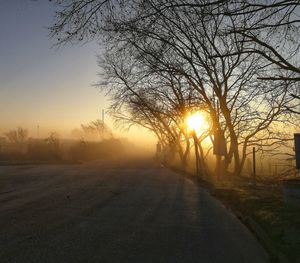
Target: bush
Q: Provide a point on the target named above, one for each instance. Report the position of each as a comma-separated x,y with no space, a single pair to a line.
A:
43,150
88,151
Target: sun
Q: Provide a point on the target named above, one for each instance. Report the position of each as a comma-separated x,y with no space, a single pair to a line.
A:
197,122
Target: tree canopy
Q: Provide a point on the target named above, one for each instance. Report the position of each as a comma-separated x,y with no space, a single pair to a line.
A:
234,60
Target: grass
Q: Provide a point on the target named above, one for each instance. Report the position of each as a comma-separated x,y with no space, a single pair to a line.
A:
265,205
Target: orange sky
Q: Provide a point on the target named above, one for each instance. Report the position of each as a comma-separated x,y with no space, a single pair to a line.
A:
42,85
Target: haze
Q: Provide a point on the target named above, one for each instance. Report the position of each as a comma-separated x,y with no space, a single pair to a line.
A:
42,85
209,169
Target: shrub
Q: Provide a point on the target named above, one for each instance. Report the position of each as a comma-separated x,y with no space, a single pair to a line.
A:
89,151
47,149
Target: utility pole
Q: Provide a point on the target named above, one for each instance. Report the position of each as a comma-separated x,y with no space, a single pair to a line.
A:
103,116
103,125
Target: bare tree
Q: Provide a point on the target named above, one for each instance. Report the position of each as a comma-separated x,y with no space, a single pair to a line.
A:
188,40
17,136
94,130
185,43
156,100
272,29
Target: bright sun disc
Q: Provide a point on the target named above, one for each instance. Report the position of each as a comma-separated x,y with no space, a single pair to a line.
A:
197,122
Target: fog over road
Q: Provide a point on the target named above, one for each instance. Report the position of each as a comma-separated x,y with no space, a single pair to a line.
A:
115,213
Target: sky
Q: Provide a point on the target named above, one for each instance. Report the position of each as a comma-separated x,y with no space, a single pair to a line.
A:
41,85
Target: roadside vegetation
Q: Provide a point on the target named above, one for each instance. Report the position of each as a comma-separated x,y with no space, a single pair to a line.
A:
92,141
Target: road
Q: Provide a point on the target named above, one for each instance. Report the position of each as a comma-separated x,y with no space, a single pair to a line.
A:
115,213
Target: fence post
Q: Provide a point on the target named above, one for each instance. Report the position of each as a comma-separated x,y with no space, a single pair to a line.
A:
254,166
297,149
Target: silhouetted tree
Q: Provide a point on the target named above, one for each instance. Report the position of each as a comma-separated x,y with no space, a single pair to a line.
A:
272,30
209,45
94,130
17,136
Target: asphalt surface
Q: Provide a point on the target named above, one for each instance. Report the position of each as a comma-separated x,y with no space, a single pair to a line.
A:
115,213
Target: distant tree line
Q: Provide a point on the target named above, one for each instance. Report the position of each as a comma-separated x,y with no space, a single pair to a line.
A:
17,145
92,141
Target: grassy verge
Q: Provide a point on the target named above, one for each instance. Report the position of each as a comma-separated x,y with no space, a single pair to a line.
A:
265,206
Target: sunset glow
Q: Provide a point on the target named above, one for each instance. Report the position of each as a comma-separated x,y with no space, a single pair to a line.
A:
197,122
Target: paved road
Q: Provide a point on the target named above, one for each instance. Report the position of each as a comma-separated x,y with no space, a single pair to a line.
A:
115,213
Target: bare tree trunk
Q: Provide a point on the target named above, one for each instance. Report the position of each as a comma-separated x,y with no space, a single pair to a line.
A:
234,148
197,156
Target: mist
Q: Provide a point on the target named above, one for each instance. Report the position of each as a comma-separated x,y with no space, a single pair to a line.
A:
149,131
91,141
